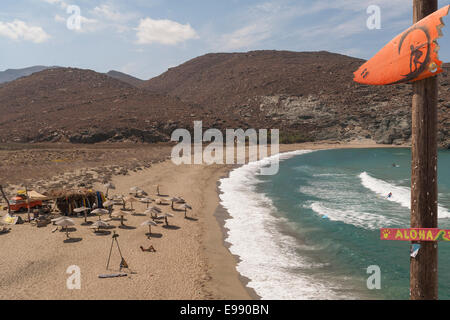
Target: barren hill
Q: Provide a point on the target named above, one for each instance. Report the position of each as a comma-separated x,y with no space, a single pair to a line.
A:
311,95
65,104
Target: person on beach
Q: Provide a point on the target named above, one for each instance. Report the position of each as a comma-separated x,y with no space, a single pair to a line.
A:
151,249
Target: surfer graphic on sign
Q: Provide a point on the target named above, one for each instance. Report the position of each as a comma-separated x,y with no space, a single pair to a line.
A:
409,57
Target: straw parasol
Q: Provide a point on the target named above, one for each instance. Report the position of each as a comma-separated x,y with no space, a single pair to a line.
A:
57,219
66,222
146,200
135,190
149,223
131,200
108,186
165,216
120,214
108,204
180,200
185,206
99,212
99,224
82,209
174,199
153,209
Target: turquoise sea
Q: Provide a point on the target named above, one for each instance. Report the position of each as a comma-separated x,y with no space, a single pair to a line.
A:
312,230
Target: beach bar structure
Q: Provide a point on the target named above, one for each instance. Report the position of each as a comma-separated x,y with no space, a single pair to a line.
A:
68,200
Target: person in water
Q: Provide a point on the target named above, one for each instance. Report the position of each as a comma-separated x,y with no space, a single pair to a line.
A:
390,195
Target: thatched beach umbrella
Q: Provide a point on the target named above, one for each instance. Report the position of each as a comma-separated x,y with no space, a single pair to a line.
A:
82,209
65,223
57,219
99,212
108,204
185,206
99,224
120,214
131,200
153,210
109,186
146,200
180,200
173,200
149,223
165,216
135,190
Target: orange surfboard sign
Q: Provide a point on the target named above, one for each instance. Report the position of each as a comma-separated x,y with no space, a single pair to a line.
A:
409,57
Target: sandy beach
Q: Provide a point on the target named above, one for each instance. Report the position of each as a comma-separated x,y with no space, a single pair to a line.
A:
191,259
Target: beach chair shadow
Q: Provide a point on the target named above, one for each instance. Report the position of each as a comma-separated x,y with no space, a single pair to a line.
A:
72,240
102,233
154,235
171,227
138,215
87,223
163,195
127,227
5,231
191,219
68,229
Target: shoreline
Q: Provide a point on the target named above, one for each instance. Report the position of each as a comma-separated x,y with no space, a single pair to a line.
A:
221,214
195,253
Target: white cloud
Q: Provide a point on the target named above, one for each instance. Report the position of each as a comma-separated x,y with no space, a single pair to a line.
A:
20,30
272,20
59,18
108,12
88,25
245,37
164,31
61,3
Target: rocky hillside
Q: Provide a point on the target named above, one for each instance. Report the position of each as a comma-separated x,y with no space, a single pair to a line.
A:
311,95
82,106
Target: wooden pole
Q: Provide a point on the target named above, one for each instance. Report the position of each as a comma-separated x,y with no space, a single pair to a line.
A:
424,267
28,204
6,199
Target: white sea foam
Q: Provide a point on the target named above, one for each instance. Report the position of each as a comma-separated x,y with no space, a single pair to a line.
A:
268,257
400,195
371,221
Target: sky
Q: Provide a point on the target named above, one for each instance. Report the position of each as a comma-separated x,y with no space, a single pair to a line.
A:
146,37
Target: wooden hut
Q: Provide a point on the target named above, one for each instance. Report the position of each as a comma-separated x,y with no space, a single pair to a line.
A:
68,200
